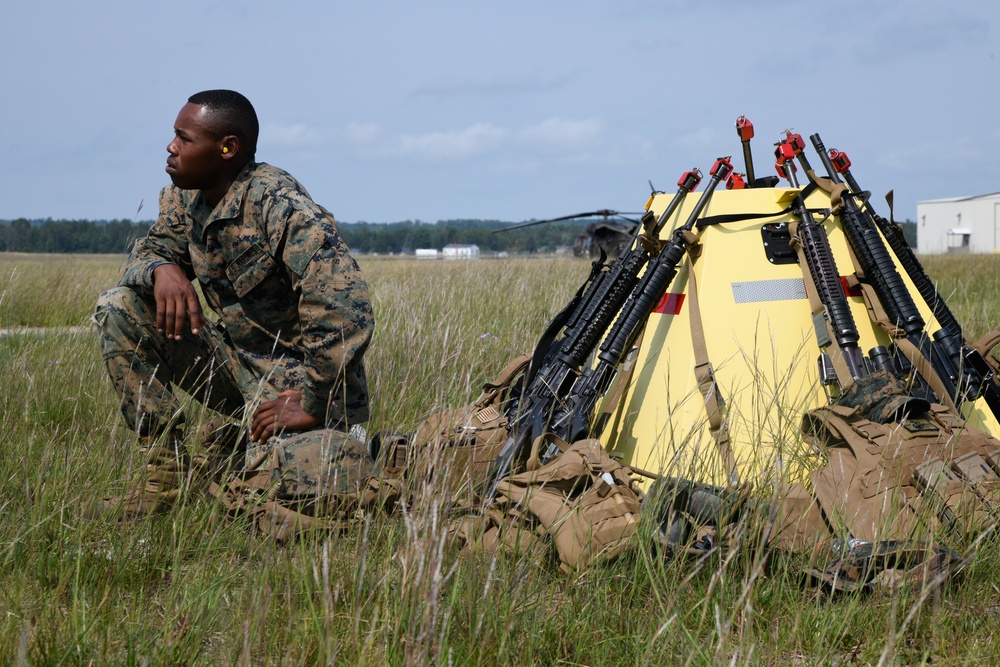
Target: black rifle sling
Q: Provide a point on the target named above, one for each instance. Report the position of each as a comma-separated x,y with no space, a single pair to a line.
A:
705,374
740,217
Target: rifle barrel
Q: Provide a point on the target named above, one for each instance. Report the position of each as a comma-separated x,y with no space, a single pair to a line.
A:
876,264
826,277
621,337
559,362
969,370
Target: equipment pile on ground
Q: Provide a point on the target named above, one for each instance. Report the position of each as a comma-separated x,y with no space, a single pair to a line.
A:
781,354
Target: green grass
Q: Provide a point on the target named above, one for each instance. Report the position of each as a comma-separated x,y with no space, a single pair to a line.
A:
192,587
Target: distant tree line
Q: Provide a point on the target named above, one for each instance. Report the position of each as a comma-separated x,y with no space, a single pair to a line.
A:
407,236
395,237
70,236
117,236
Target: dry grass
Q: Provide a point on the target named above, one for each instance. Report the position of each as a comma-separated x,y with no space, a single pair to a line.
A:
192,588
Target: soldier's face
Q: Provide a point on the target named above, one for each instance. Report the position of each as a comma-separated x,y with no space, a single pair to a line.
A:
195,155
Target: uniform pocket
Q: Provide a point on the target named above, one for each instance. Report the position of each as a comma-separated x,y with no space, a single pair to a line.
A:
250,269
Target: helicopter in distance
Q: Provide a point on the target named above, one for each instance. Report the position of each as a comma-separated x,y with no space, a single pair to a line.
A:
611,234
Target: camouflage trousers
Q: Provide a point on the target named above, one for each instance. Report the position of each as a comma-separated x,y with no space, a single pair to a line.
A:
145,368
320,481
313,480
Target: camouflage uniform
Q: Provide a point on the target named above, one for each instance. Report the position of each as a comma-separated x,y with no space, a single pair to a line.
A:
293,308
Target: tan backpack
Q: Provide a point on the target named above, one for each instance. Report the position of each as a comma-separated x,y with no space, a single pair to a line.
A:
926,477
583,503
463,442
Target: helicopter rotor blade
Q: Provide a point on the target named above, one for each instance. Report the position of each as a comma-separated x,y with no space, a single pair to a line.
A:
606,213
528,224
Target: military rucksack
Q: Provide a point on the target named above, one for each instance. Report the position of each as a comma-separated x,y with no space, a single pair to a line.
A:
462,441
583,505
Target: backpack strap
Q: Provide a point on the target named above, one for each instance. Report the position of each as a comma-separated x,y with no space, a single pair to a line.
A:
984,346
704,373
615,394
492,390
824,333
927,372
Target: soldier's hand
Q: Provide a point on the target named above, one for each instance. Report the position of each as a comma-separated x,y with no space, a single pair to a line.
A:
283,413
176,301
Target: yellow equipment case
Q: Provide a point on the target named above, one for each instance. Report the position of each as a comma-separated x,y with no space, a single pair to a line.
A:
759,337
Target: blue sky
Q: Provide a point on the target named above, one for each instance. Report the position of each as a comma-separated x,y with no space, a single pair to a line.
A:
391,110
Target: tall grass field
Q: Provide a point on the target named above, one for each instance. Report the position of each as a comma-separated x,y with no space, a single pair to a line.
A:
193,587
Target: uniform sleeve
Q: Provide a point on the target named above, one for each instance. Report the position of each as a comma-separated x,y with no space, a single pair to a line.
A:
166,243
335,314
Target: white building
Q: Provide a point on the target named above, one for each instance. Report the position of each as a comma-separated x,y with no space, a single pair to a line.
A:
425,253
959,224
455,251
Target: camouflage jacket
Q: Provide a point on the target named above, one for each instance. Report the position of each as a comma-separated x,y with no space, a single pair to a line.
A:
273,267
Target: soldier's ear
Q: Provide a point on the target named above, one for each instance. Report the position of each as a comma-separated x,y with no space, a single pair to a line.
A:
229,147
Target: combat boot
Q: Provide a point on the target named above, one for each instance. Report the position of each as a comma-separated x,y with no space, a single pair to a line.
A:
167,476
216,450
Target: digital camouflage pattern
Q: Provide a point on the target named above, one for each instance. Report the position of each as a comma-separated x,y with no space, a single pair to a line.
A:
319,464
144,365
882,398
859,565
293,308
322,480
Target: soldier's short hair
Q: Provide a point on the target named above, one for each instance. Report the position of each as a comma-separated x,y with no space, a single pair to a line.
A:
230,113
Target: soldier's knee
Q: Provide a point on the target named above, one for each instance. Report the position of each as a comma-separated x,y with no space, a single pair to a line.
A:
119,304
322,462
122,318
117,298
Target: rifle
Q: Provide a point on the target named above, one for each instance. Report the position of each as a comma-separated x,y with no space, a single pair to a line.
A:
588,315
554,400
632,318
878,269
976,376
825,276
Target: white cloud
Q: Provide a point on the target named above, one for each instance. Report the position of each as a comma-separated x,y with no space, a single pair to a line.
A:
563,133
566,138
443,145
452,145
289,136
363,133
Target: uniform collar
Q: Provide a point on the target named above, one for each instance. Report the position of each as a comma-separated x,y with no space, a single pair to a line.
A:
230,206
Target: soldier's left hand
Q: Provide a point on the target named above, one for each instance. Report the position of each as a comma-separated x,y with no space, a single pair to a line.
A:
282,414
